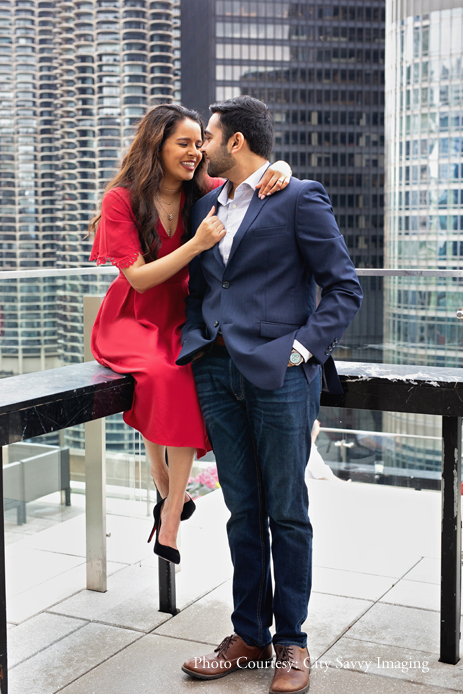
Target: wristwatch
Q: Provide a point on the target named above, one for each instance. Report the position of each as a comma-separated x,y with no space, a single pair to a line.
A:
295,358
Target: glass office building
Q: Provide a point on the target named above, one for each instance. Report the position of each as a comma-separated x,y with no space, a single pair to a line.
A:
424,164
424,121
75,76
27,183
114,59
320,68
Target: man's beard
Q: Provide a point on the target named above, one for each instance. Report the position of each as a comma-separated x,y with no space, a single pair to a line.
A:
222,163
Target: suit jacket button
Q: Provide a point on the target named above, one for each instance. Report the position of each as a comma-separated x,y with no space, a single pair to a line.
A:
216,322
225,285
327,351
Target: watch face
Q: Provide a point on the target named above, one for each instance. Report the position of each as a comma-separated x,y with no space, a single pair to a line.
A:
295,358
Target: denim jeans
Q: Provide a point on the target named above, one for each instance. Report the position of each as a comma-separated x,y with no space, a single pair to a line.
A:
261,440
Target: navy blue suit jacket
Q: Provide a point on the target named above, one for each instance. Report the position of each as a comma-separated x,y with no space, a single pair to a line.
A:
265,297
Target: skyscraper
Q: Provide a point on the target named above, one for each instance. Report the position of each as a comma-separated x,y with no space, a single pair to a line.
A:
27,182
320,68
114,59
424,170
424,217
75,77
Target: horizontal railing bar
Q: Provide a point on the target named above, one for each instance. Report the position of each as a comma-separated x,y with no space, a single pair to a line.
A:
61,272
379,433
110,270
394,272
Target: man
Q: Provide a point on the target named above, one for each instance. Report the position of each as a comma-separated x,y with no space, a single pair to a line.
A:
258,341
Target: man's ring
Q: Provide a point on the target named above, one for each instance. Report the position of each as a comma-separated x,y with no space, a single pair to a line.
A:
281,180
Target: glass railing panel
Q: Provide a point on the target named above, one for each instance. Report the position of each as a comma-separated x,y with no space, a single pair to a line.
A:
41,327
41,317
36,487
44,483
407,317
389,448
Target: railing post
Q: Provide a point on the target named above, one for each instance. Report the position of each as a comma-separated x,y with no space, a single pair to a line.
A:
3,630
95,504
95,475
451,541
166,579
167,591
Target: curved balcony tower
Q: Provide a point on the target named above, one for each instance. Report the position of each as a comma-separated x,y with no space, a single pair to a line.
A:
75,78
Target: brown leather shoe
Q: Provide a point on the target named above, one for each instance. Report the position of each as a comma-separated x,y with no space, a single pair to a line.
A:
292,670
232,654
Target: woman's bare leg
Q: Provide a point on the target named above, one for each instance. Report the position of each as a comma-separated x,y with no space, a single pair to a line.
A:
159,472
180,463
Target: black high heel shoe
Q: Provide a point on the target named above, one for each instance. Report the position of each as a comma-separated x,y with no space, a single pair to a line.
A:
163,551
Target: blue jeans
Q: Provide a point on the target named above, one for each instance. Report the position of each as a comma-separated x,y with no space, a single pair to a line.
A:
261,440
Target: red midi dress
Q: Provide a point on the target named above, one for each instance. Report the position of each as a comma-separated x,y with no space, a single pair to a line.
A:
140,333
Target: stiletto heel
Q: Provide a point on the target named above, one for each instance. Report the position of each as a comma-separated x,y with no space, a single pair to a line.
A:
154,515
163,551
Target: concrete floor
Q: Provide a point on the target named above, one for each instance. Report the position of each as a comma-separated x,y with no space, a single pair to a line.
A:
373,622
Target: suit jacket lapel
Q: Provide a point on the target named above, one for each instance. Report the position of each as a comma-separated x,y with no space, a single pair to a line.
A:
253,210
217,256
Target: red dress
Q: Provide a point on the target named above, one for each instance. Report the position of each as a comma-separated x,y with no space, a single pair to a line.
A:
140,333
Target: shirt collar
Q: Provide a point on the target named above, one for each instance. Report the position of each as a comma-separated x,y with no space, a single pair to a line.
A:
250,182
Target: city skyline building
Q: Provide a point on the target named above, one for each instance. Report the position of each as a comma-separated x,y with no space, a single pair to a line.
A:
115,60
27,177
320,68
424,195
75,77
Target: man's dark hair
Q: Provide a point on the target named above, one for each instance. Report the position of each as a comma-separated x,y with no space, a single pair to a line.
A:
250,117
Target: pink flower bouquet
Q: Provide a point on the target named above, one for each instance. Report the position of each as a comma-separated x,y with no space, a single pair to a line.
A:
203,483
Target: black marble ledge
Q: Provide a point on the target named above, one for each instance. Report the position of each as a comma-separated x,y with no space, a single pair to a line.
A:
436,376
35,388
394,388
38,403
48,401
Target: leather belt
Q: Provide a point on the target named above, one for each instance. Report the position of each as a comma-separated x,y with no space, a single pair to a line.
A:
219,340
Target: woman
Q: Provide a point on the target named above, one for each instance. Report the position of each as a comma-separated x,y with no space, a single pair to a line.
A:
142,229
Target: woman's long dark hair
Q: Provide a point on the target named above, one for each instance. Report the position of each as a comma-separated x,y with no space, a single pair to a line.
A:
141,173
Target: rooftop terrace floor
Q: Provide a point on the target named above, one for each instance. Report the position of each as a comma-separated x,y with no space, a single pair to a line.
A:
374,606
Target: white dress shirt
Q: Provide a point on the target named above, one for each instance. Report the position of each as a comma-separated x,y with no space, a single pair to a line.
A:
231,213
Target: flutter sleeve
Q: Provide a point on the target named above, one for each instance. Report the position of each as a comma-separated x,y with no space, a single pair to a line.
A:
214,183
116,239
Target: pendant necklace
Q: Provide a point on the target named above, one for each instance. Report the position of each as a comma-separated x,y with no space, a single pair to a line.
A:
170,215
